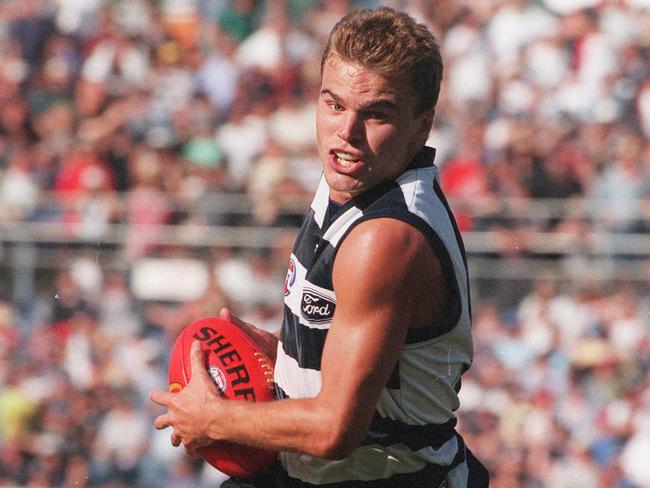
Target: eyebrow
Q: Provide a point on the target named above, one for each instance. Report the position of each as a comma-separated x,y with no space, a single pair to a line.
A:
373,105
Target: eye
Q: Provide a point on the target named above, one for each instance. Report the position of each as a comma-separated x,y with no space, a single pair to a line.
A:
336,107
375,115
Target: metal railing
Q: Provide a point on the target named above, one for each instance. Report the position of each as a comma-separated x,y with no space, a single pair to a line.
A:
523,237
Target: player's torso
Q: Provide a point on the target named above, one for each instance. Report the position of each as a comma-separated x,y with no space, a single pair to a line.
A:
416,407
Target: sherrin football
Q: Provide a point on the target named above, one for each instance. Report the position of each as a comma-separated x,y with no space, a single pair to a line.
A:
240,371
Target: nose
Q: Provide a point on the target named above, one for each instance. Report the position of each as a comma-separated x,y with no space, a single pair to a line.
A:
351,129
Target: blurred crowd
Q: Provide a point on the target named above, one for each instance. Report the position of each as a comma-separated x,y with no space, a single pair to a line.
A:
130,114
559,395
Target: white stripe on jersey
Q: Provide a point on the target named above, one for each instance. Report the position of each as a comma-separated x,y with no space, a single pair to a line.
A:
433,212
294,299
295,381
320,202
340,226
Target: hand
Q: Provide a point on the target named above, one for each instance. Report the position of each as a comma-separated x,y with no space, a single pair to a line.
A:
267,342
187,411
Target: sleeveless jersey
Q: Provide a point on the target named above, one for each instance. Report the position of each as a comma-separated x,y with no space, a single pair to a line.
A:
413,425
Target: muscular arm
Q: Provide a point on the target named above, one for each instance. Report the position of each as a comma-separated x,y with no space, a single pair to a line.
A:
387,279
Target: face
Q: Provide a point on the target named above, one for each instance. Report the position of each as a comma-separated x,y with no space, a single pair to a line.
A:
366,127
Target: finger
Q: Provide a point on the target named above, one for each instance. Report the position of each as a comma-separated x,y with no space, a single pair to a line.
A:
162,398
191,452
176,439
249,329
162,421
226,314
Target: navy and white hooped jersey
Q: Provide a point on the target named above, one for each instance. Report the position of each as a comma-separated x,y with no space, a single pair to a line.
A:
413,429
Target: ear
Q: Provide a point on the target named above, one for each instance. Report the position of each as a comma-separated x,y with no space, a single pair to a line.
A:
426,122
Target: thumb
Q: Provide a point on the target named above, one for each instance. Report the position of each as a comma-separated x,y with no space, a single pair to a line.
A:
197,359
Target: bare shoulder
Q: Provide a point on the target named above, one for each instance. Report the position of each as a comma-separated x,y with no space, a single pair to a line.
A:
387,262
389,242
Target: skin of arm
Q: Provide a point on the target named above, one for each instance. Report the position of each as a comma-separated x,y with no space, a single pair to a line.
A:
387,279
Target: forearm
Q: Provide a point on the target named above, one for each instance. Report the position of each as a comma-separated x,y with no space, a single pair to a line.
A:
303,425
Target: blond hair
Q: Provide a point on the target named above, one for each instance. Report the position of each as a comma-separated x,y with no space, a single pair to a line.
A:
393,44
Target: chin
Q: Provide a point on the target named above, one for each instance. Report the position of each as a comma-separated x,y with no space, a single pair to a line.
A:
344,185
340,193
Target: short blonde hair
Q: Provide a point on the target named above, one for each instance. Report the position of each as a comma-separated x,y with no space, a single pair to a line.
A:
391,43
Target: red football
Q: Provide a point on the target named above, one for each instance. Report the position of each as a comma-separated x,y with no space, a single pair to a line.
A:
240,370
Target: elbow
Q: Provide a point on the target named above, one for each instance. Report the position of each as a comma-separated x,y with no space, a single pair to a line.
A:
337,441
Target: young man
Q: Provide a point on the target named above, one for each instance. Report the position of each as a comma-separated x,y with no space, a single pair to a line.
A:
368,379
